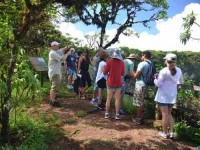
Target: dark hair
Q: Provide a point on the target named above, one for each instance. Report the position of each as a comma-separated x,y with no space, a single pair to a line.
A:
103,56
147,54
80,53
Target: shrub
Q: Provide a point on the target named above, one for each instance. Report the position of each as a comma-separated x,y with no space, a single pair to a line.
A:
187,133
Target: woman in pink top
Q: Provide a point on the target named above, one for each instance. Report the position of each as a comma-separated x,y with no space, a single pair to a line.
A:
115,70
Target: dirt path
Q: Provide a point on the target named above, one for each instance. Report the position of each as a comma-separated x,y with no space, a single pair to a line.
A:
93,132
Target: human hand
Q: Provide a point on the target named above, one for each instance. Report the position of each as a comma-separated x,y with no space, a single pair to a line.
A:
79,75
156,76
67,48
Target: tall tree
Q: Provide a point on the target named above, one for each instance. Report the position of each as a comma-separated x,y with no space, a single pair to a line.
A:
101,13
16,20
188,22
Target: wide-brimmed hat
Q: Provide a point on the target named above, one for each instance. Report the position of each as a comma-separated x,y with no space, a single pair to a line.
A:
132,56
115,53
170,57
55,43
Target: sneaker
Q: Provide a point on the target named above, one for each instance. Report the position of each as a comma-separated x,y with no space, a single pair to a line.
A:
94,101
138,121
162,134
117,117
107,116
55,104
121,111
171,135
101,106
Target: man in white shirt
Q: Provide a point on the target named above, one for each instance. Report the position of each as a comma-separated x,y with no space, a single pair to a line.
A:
56,55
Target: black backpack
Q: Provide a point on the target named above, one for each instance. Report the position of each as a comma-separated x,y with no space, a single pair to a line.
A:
149,78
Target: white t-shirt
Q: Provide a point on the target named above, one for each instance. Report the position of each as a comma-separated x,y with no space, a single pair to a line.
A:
100,74
54,64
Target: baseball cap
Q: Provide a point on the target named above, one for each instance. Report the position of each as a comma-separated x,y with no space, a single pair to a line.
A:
72,49
54,43
170,57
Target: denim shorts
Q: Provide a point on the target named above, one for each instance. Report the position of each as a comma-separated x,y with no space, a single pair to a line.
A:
165,104
70,72
114,87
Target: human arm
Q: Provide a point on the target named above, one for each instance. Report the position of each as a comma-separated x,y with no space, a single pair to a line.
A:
106,68
138,72
123,69
160,78
79,64
181,81
66,49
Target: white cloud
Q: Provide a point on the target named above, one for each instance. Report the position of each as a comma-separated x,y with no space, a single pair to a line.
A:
167,38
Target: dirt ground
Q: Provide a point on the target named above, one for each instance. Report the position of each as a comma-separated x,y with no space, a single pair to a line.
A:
93,132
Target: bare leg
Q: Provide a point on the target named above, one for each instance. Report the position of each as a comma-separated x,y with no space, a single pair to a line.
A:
109,97
117,100
95,93
164,111
70,79
100,95
140,111
170,120
52,95
84,89
121,98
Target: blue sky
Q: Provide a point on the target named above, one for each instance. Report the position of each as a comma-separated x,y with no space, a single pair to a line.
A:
163,34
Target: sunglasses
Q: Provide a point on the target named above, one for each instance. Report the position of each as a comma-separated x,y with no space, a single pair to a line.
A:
170,62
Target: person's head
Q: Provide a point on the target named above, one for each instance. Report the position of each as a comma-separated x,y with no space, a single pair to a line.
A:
72,51
132,57
170,60
55,45
99,51
146,55
80,53
103,56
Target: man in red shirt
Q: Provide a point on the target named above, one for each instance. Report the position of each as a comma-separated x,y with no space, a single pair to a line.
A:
115,70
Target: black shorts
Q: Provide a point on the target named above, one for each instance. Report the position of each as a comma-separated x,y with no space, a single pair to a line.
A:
102,83
85,79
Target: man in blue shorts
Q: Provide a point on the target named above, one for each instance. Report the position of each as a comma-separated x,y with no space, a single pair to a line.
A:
70,67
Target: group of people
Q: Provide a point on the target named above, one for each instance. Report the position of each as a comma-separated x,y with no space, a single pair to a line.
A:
77,71
114,74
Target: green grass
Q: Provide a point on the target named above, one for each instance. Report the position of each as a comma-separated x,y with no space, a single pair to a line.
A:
70,120
81,113
128,105
28,133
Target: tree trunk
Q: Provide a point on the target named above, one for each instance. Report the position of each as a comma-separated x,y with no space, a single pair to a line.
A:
6,104
5,123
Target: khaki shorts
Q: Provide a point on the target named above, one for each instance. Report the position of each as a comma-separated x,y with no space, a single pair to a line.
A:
55,82
138,95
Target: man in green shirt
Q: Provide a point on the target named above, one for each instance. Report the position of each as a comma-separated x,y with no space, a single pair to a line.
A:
128,81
